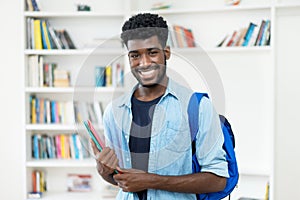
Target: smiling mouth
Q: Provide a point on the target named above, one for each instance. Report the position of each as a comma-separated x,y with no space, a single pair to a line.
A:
147,71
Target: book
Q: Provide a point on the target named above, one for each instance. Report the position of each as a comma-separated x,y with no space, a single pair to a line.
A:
253,36
37,34
266,32
29,5
249,33
54,37
178,36
108,76
240,39
68,39
93,135
260,32
232,38
100,76
45,36
99,112
61,78
35,5
79,182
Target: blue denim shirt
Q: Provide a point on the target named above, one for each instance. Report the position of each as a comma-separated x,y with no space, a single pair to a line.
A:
170,147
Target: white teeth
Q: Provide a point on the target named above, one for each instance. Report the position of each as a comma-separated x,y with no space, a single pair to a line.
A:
146,73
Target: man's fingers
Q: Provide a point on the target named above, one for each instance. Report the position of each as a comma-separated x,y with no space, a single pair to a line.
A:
95,149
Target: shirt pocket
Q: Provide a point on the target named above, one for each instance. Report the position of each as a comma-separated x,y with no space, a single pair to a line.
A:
177,137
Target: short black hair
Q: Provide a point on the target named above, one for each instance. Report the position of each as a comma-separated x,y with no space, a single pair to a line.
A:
143,26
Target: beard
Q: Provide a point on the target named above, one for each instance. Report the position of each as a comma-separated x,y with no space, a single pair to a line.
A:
149,82
162,69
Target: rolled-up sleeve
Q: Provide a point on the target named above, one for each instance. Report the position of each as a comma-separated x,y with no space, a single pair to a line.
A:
209,141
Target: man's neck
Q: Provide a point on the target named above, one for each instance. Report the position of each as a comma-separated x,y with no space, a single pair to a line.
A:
144,93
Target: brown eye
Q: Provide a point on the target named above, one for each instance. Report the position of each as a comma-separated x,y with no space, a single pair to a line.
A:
153,53
133,56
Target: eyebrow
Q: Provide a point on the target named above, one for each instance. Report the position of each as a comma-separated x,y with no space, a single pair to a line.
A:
148,49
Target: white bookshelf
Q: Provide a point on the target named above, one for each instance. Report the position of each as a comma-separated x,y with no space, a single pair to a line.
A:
247,74
103,23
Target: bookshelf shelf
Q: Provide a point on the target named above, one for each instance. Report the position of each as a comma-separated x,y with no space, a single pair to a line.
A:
288,5
64,195
222,49
50,127
72,90
61,163
76,52
209,10
42,14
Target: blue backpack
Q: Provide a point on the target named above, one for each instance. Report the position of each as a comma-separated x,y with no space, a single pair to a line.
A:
228,146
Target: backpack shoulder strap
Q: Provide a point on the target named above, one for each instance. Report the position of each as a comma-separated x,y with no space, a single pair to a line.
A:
193,112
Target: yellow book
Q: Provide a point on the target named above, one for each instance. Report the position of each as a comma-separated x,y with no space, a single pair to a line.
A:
108,76
62,143
37,34
33,110
46,34
42,181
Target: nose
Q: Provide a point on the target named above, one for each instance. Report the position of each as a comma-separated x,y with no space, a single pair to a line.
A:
145,60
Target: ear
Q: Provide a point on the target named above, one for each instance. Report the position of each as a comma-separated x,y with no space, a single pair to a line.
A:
167,52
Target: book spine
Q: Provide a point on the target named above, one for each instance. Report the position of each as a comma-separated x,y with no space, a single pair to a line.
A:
37,34
248,34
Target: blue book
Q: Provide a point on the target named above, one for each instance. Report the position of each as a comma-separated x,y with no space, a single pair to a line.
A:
43,35
37,110
53,112
249,33
100,76
75,146
263,38
36,146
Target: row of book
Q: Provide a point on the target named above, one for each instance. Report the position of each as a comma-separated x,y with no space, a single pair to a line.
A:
46,111
86,110
111,75
40,35
32,5
180,37
41,74
253,35
38,182
61,146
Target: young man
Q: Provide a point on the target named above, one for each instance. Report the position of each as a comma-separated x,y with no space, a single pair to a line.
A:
147,133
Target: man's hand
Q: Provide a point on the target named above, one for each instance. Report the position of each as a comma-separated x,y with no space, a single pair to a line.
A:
131,180
107,160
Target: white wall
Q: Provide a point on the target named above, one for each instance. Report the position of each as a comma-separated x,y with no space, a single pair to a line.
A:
11,101
287,136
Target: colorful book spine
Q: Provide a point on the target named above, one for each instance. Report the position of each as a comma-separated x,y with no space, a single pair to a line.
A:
37,34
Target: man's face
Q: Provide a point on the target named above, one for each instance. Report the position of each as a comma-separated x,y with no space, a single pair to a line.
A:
147,59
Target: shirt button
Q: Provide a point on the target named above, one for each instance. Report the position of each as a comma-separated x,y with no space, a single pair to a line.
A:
127,159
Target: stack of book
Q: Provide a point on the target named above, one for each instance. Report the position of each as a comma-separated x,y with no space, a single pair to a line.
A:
61,78
253,35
